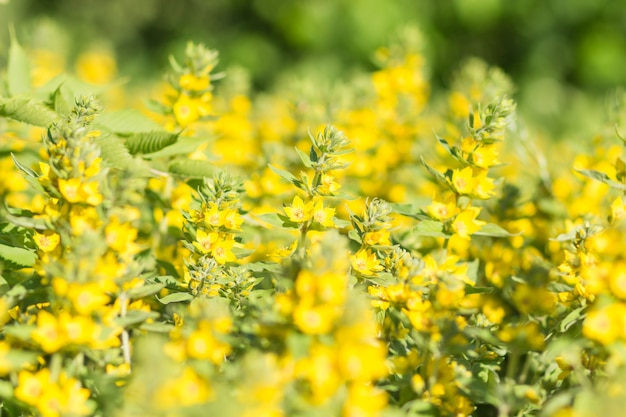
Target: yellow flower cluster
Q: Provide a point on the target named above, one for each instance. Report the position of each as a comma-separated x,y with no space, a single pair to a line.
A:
346,269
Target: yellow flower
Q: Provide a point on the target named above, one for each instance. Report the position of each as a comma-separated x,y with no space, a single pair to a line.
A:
186,390
323,216
465,223
222,251
187,110
87,298
443,209
48,333
605,325
314,319
75,191
212,216
485,156
299,212
96,67
47,241
30,387
380,237
232,220
463,181
365,263
205,242
194,83
121,237
328,185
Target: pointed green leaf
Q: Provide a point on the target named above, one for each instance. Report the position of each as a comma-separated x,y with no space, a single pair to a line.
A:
29,172
306,160
184,146
63,98
19,257
135,317
284,174
126,122
430,228
470,289
27,110
271,218
191,168
145,290
18,68
493,230
176,297
114,153
148,142
436,174
602,177
157,327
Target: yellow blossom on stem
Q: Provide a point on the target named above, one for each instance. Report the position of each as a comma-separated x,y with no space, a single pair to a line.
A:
75,191
205,242
194,83
379,237
315,319
328,185
48,334
232,220
465,223
47,241
485,156
298,211
87,298
222,251
463,181
323,216
212,216
605,325
365,262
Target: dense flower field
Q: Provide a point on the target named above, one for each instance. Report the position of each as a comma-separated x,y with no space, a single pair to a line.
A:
355,249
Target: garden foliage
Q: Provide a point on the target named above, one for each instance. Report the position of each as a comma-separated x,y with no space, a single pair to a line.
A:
362,250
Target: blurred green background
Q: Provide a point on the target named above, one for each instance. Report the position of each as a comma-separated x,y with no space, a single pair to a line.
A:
563,55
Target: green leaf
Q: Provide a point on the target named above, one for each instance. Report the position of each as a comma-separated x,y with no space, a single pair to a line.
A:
19,257
191,168
126,122
571,318
383,279
134,317
6,390
176,297
306,160
470,289
602,177
63,98
114,153
167,280
284,174
148,142
261,266
29,172
157,327
430,228
184,146
271,218
452,150
436,174
493,230
472,270
18,68
27,110
145,290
